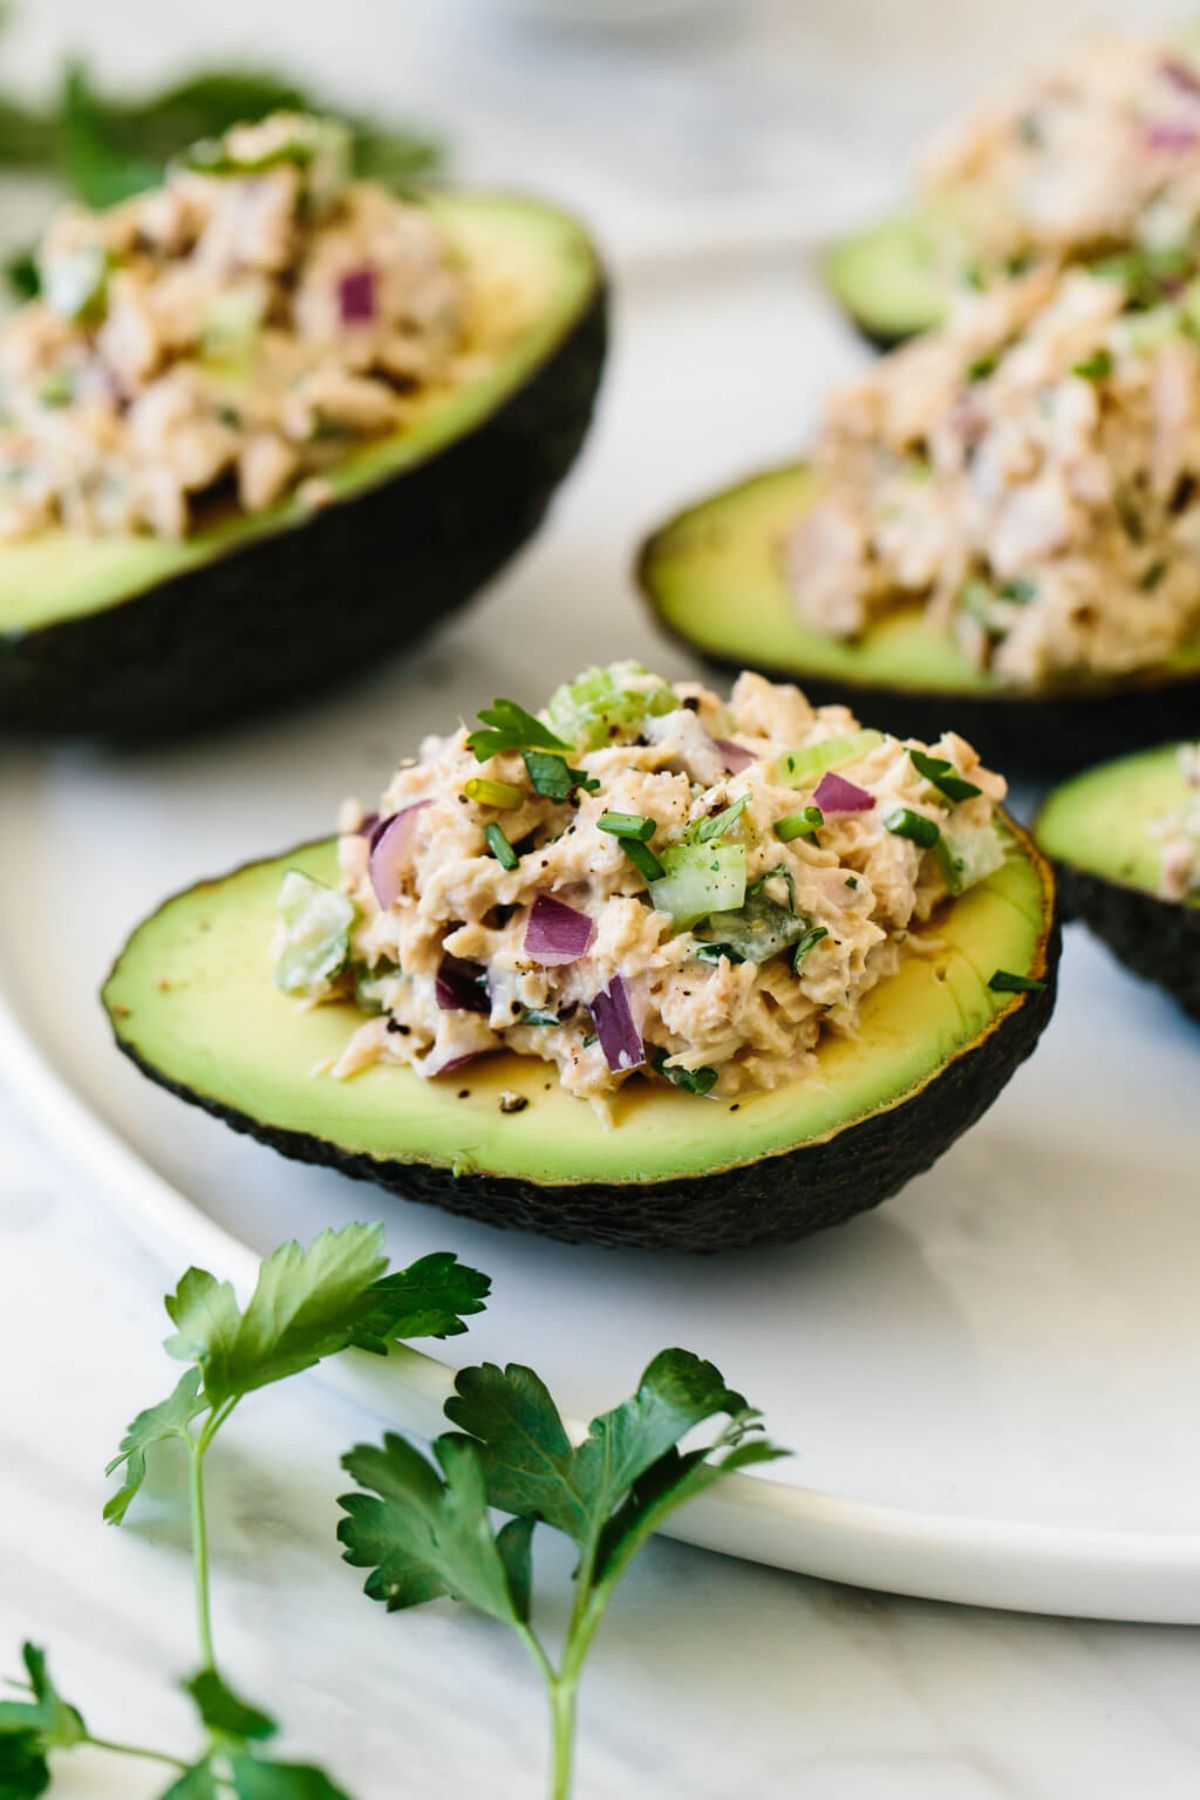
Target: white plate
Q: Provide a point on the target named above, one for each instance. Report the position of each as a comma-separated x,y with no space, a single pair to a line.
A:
989,1384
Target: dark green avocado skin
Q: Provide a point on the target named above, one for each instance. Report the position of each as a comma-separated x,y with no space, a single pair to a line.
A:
1158,939
776,1201
285,614
1048,736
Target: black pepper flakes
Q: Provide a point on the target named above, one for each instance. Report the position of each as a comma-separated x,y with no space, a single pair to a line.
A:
464,1093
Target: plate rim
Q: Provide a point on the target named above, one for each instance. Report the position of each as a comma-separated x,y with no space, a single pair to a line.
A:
1146,1577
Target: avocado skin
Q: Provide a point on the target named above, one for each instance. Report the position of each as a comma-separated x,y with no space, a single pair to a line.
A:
1158,939
775,1201
280,615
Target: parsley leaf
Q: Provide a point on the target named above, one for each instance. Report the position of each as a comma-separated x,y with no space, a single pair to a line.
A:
169,1419
222,1711
423,1530
510,728
254,1779
553,777
694,1081
196,1783
23,1766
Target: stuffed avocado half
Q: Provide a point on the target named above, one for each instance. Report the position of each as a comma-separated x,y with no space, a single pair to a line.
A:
714,578
629,971
1125,838
287,469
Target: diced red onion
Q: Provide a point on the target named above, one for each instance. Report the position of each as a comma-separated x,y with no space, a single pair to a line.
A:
431,1065
620,1038
1181,74
391,849
736,756
356,296
555,933
462,986
834,794
1171,134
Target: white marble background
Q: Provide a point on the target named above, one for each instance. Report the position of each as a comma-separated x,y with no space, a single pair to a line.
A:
711,1680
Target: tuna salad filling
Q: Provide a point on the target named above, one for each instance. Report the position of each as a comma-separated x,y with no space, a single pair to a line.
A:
1030,474
643,881
227,337
1179,873
1101,150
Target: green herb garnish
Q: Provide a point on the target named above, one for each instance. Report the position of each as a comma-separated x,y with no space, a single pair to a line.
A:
627,825
707,831
806,943
1021,591
500,847
537,1018
712,953
500,794
1005,982
1152,577
58,389
307,1305
422,1527
905,823
643,859
510,727
982,367
1096,367
940,771
553,777
803,824
694,1081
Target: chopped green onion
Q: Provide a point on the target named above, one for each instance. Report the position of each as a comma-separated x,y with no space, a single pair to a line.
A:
982,367
945,778
537,1018
905,823
552,776
627,825
1152,577
500,794
795,767
802,824
711,953
500,847
1004,982
643,859
592,1038
696,1081
852,881
806,943
1097,367
1021,591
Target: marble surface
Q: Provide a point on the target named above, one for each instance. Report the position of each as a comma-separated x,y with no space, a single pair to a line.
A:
710,1680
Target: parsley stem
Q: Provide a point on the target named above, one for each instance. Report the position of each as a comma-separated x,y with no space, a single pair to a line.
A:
563,1695
118,1749
197,1447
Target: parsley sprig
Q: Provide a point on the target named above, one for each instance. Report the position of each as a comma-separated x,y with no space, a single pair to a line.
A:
509,728
422,1528
308,1304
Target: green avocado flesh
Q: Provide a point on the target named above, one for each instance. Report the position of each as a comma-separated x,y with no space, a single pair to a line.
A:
192,1000
534,272
897,277
1100,822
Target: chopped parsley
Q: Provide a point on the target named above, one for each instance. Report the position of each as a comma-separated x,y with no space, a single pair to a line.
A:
537,1018
1021,591
1096,367
712,953
696,1081
553,777
982,367
806,943
500,847
1152,577
510,727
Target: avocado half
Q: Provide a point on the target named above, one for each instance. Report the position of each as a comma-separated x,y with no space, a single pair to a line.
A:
1095,829
897,277
192,1001
713,578
134,636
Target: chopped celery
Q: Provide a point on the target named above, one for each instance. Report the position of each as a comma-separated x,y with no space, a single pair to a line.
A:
316,935
968,856
232,325
699,879
795,768
603,704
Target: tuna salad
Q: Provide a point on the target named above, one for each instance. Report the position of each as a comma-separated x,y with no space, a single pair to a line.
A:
1101,150
228,336
1179,875
642,880
1030,474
